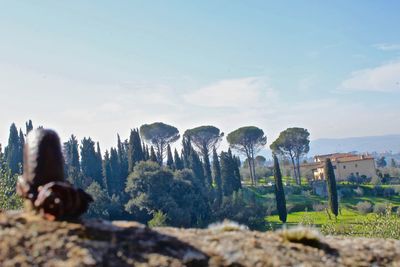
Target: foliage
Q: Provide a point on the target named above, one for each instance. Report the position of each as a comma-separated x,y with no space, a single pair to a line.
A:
170,159
13,151
229,176
178,163
364,207
381,162
71,155
279,191
135,150
294,143
9,200
331,186
248,140
380,208
179,195
90,161
159,219
99,207
159,135
386,225
204,139
217,177
238,209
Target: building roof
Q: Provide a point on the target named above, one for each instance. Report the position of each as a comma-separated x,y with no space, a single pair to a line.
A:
333,156
354,158
336,158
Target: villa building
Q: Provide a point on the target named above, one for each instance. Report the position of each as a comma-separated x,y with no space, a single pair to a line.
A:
344,165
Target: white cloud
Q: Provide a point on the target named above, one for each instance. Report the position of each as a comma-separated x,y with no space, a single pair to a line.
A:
234,93
387,47
384,78
103,110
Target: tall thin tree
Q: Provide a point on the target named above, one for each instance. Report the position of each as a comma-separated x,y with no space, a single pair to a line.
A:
329,174
279,191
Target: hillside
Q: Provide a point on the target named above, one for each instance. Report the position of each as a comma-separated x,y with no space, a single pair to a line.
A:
382,143
26,240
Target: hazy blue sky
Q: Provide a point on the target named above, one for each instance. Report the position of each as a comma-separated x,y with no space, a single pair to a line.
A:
101,67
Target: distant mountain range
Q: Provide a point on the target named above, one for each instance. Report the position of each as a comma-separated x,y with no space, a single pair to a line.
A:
380,144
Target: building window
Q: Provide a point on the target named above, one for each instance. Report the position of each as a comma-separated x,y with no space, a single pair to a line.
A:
344,166
356,165
357,174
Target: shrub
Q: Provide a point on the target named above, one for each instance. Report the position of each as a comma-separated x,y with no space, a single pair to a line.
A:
319,206
296,207
380,208
376,180
159,219
364,207
378,190
396,189
345,192
359,191
388,192
293,189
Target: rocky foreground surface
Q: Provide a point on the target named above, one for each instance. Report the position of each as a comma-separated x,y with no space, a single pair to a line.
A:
26,240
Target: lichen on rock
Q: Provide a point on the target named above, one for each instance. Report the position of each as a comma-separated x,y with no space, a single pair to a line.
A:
28,240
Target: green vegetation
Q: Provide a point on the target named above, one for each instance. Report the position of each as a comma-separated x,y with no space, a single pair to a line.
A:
293,143
279,191
197,185
331,185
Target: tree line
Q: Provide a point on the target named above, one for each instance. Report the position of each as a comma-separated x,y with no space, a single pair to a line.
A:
142,176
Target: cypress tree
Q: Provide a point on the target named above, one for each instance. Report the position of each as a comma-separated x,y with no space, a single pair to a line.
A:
13,150
21,144
186,152
196,166
227,174
170,159
237,184
207,170
331,184
177,161
135,150
122,157
28,126
71,154
279,191
117,184
217,176
147,153
153,156
90,164
107,174
99,166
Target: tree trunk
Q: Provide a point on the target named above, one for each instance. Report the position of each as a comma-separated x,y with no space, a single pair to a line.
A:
254,171
298,169
251,172
294,169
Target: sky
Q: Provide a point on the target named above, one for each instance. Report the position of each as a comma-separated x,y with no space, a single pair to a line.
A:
98,68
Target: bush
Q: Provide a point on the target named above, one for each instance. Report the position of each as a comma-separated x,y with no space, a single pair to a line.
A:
345,192
376,180
396,189
364,207
388,192
319,206
159,219
293,189
380,208
296,207
359,191
378,190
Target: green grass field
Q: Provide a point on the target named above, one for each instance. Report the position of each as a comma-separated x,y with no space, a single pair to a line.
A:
302,212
